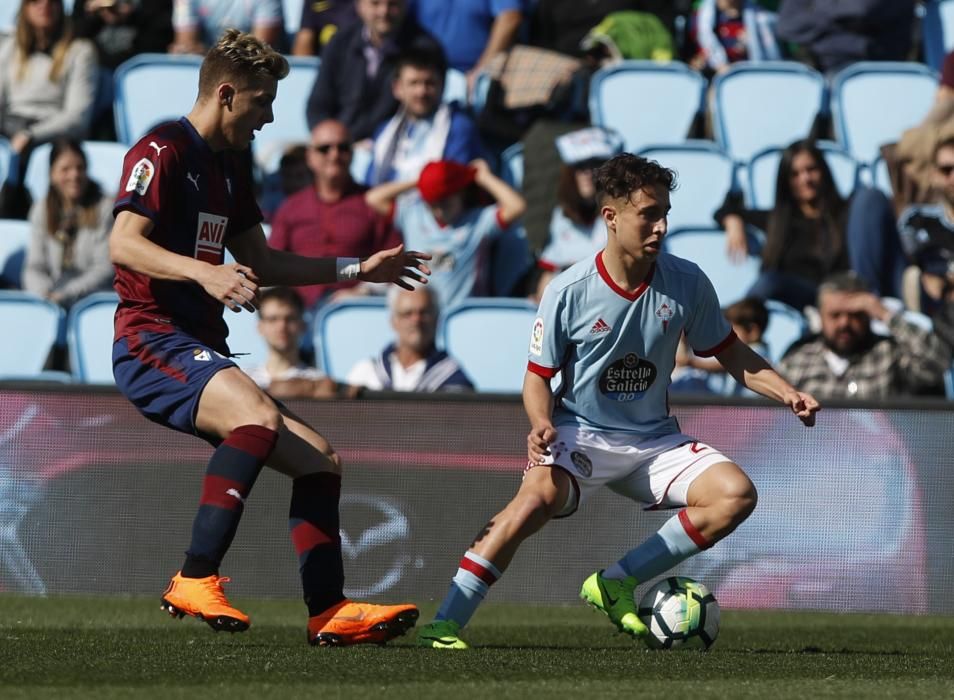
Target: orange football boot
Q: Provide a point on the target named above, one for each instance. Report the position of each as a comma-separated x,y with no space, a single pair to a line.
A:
203,598
349,622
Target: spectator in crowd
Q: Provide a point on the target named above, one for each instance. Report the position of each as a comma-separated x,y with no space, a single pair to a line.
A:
285,375
424,129
68,256
832,35
121,29
199,23
320,21
727,31
927,233
292,175
849,360
911,161
445,218
47,88
560,25
470,31
413,362
749,319
331,217
357,67
812,232
577,230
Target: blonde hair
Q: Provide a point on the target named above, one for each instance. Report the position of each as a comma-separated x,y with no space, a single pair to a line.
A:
242,58
27,43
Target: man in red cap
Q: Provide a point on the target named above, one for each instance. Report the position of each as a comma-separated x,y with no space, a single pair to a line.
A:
444,217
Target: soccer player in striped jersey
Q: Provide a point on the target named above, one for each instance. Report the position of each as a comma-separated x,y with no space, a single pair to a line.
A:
185,196
610,326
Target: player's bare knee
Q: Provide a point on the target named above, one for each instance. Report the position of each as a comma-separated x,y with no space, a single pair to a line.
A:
530,512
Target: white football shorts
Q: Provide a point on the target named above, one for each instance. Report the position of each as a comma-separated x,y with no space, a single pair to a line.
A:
656,472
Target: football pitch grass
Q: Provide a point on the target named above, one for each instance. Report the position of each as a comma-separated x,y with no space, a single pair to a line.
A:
122,647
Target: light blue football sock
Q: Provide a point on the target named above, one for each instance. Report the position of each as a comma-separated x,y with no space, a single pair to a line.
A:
468,588
674,542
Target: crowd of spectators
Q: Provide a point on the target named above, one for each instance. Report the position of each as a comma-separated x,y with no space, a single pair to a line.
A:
391,160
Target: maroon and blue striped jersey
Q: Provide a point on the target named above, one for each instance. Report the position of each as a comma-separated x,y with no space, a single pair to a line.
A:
197,199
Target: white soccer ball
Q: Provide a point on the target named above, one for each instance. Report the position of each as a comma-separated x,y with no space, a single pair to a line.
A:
680,613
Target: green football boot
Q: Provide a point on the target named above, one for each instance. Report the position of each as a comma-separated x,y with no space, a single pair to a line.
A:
615,599
440,634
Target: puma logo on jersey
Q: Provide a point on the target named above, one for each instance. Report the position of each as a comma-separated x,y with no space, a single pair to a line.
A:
159,149
600,326
194,179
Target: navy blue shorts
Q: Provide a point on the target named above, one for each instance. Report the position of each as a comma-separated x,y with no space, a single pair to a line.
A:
164,374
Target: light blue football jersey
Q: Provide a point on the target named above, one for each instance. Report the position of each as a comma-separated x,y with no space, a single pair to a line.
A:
460,265
569,242
615,350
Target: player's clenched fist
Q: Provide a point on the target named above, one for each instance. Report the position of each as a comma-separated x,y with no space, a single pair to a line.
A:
803,405
538,442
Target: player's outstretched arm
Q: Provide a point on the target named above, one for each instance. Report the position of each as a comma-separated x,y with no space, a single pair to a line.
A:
279,267
538,403
752,371
129,246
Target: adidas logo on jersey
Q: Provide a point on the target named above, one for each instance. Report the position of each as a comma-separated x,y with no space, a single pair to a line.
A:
600,326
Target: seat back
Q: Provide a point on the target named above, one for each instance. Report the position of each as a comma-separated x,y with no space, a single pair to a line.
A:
349,331
89,336
36,325
489,338
785,326
104,165
881,177
290,125
455,87
763,173
14,240
646,102
244,339
873,102
5,155
771,103
704,173
706,248
152,88
511,165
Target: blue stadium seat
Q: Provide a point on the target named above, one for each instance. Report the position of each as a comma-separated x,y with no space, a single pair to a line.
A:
291,11
880,177
490,337
36,325
937,30
455,87
5,155
511,165
705,175
244,338
349,331
785,326
873,102
14,240
152,88
105,166
758,105
290,125
706,248
89,336
646,102
763,172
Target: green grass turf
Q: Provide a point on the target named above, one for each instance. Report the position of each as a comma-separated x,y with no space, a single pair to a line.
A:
107,647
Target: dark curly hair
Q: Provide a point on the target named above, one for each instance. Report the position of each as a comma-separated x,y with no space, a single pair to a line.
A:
622,175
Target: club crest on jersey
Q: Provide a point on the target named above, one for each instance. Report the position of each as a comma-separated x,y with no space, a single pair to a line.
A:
628,378
201,355
536,337
209,237
140,177
665,313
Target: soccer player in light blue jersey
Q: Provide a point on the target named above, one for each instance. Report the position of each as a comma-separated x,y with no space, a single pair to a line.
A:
609,326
